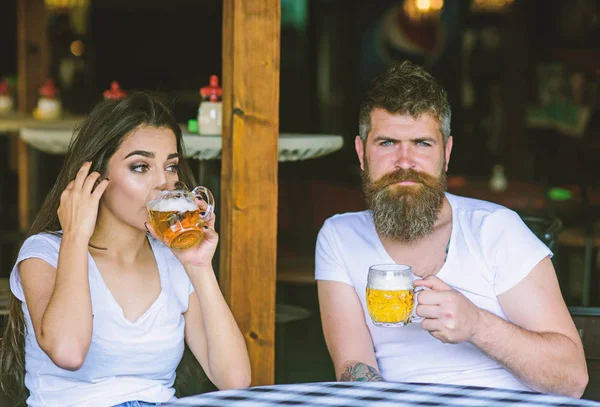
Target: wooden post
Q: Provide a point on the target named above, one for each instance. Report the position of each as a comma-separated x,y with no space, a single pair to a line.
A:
251,37
33,67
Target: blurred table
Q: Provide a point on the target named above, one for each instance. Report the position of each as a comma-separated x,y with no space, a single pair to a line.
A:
54,138
519,195
21,158
14,122
374,394
522,196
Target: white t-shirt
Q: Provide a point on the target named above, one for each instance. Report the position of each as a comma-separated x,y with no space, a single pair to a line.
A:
126,360
491,250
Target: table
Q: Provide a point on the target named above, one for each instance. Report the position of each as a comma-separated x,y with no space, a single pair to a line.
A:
54,138
375,394
23,160
519,196
522,195
14,121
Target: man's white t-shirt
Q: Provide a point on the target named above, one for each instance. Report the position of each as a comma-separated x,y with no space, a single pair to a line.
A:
491,250
126,360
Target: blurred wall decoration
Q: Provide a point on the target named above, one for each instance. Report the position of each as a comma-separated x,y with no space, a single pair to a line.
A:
398,30
565,100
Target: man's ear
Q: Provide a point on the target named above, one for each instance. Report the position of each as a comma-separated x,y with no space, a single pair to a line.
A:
360,151
448,152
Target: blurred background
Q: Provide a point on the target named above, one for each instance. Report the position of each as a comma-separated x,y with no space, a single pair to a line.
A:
522,78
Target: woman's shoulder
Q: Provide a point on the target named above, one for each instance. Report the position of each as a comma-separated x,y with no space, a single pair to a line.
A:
44,241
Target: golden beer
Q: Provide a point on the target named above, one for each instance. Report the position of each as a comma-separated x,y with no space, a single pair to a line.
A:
390,306
390,294
178,230
178,215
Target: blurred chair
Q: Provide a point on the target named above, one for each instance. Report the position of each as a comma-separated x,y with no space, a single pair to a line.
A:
586,238
546,228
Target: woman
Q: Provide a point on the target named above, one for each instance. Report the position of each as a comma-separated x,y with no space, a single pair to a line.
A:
100,308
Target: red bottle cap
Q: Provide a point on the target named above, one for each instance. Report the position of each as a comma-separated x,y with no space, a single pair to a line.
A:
48,90
4,88
115,92
212,92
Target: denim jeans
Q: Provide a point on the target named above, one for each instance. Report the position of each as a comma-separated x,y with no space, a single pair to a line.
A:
136,404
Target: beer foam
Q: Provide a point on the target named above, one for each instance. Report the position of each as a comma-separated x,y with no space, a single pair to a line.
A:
389,282
173,205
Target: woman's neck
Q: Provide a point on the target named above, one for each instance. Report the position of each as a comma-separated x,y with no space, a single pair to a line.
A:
117,240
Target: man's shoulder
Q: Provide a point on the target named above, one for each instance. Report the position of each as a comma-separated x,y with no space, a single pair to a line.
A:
472,207
484,222
482,217
349,219
346,226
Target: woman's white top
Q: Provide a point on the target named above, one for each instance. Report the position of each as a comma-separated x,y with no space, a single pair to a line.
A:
126,360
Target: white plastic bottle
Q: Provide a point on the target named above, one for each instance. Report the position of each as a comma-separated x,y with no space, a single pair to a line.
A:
210,111
49,106
6,100
498,181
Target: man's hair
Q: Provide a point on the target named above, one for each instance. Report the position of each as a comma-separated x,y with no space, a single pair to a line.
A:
406,89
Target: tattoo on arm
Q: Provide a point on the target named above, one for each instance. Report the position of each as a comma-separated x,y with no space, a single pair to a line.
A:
360,372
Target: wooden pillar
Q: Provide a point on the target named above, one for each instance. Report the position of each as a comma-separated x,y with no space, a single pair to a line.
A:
32,67
251,37
32,52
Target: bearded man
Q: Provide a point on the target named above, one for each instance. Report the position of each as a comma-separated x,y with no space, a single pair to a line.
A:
492,311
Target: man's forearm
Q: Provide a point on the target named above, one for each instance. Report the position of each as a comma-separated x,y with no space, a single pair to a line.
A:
355,371
546,361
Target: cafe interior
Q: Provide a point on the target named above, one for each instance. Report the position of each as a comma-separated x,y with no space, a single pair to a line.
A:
522,78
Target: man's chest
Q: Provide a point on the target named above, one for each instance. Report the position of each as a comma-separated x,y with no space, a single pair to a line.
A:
426,257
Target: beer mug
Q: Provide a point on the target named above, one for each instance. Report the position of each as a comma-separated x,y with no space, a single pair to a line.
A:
391,295
177,218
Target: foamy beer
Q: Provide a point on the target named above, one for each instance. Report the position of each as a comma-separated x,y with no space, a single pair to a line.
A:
390,294
176,217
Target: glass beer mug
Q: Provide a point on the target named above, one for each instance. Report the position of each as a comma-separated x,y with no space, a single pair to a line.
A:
176,215
391,295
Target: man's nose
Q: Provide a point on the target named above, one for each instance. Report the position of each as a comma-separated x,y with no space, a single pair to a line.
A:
404,158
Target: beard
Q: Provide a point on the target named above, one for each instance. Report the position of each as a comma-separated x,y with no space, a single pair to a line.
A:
404,213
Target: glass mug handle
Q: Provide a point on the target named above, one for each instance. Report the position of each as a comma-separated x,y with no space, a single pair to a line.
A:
413,315
205,195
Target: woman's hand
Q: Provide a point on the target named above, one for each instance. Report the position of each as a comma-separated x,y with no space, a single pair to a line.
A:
78,209
201,254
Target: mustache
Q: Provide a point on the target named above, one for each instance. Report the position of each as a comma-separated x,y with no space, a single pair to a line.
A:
401,175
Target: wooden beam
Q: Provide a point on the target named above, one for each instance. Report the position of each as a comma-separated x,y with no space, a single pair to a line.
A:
33,52
251,37
33,56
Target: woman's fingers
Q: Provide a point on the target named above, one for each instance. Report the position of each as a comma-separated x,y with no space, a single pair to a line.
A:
202,205
211,221
90,181
209,233
100,188
82,175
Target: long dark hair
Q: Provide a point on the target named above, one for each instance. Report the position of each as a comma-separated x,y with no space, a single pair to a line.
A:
96,139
